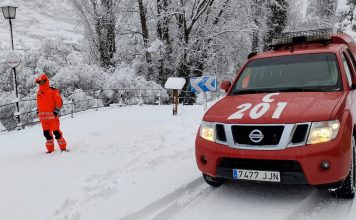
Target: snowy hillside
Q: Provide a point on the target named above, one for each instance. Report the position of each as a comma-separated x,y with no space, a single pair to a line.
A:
137,163
39,20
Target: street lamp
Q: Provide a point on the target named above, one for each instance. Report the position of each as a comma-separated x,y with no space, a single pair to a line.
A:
9,13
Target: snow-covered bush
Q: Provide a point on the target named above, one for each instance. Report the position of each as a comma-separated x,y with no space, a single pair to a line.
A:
80,82
28,80
66,78
151,91
121,79
31,58
76,58
56,50
85,77
81,101
28,109
120,84
49,67
6,80
7,110
124,85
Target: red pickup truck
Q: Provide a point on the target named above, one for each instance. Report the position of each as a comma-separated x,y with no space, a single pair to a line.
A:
288,117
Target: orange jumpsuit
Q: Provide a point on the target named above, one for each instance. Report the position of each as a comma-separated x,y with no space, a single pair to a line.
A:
49,103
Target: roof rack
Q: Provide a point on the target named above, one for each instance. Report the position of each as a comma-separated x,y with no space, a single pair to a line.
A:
290,38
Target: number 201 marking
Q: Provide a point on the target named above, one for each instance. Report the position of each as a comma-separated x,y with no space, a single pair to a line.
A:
240,113
260,109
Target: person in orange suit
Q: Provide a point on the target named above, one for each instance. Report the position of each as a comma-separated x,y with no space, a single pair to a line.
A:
49,104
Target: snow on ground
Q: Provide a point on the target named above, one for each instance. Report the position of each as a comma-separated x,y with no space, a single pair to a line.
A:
137,163
39,20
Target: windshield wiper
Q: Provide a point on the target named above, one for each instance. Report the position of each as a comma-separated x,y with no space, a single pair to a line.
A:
304,90
254,91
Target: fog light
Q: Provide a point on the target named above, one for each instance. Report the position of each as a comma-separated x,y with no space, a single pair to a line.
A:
203,159
325,165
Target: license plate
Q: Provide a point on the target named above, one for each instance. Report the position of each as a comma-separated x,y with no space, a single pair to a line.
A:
256,175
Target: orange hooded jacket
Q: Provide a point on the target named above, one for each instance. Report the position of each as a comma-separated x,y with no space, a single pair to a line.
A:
48,100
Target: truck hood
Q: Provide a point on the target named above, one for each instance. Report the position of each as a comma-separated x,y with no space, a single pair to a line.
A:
279,108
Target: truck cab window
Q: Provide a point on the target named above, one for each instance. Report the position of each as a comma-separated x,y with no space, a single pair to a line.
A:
347,69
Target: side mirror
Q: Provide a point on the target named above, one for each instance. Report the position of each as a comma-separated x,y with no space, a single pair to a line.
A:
225,85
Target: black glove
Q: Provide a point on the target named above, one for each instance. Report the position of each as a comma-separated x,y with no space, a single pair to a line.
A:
57,112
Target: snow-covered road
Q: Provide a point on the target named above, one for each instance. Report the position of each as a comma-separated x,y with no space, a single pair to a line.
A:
137,163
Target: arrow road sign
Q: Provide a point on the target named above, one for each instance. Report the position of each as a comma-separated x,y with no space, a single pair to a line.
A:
203,84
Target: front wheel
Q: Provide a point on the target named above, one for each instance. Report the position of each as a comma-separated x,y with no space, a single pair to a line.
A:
213,181
347,189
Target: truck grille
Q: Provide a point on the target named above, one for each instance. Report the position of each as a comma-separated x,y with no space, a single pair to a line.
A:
262,136
271,134
300,133
220,133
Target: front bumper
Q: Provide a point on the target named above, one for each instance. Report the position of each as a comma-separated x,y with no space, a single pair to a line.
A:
290,171
211,159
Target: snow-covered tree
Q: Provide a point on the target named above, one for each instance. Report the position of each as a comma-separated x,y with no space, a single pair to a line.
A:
321,13
99,20
277,12
346,16
131,45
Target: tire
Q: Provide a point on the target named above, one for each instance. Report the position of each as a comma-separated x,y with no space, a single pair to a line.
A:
347,189
213,181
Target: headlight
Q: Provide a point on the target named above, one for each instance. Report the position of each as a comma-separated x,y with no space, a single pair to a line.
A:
323,131
207,131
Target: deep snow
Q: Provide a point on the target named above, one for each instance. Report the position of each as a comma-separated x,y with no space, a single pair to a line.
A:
137,163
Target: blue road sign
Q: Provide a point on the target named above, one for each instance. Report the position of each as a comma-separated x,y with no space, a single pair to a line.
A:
203,84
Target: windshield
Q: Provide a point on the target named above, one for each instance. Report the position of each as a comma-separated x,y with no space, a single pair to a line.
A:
309,72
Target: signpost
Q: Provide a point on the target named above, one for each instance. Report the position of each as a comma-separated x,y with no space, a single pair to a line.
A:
175,84
13,60
202,85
